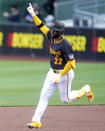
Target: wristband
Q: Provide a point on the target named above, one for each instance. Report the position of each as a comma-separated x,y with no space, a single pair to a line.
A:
39,26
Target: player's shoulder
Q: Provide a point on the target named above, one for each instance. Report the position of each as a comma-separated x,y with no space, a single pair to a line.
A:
65,42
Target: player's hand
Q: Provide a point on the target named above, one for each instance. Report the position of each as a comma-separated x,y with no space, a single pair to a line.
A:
31,10
57,78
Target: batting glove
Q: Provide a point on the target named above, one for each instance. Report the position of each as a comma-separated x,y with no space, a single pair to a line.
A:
57,78
31,10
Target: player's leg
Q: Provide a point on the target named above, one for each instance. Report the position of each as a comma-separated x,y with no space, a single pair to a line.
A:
47,90
65,89
77,94
86,91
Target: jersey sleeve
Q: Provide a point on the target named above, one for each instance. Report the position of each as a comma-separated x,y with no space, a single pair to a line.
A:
67,50
68,54
41,25
70,64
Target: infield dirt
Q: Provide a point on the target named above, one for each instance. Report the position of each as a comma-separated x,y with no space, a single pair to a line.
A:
56,118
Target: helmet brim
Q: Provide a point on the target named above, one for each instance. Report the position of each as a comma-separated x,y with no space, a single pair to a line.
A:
54,28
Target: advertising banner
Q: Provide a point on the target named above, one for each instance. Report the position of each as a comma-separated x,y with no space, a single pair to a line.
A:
87,44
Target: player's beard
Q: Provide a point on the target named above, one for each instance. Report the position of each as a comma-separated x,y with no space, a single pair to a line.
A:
57,35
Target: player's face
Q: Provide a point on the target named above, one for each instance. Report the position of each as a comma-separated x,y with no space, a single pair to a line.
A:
53,33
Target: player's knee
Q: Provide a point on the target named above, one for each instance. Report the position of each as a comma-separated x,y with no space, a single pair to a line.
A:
64,100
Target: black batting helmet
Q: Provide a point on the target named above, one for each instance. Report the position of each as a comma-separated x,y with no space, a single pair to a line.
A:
57,26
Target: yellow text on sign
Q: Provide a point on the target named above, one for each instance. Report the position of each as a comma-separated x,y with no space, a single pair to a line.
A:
27,40
101,45
1,39
78,42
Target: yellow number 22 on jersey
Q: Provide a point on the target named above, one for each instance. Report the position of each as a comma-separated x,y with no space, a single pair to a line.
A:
58,61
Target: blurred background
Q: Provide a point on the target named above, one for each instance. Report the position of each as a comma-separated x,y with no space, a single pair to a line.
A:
24,49
89,13
84,22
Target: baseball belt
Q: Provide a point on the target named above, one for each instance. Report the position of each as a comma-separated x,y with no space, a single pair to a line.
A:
55,71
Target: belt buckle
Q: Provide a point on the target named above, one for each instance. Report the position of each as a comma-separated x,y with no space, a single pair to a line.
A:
55,71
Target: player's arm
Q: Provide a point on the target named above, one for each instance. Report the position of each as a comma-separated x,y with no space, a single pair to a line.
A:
37,21
69,56
70,64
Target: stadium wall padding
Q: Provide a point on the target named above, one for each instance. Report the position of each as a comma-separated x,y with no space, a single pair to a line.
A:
27,40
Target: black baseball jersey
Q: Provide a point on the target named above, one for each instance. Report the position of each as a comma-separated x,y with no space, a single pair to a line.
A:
60,52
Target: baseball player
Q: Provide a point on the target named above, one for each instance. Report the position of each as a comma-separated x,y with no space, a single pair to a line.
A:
61,73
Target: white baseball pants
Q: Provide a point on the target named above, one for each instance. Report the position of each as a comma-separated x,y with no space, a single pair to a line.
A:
64,87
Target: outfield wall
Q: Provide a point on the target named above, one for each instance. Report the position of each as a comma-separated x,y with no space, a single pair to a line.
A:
87,44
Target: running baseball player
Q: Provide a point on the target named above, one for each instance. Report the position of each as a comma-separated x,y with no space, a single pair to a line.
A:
61,73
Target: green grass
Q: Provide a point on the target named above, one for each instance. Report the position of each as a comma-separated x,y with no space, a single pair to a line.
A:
21,83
